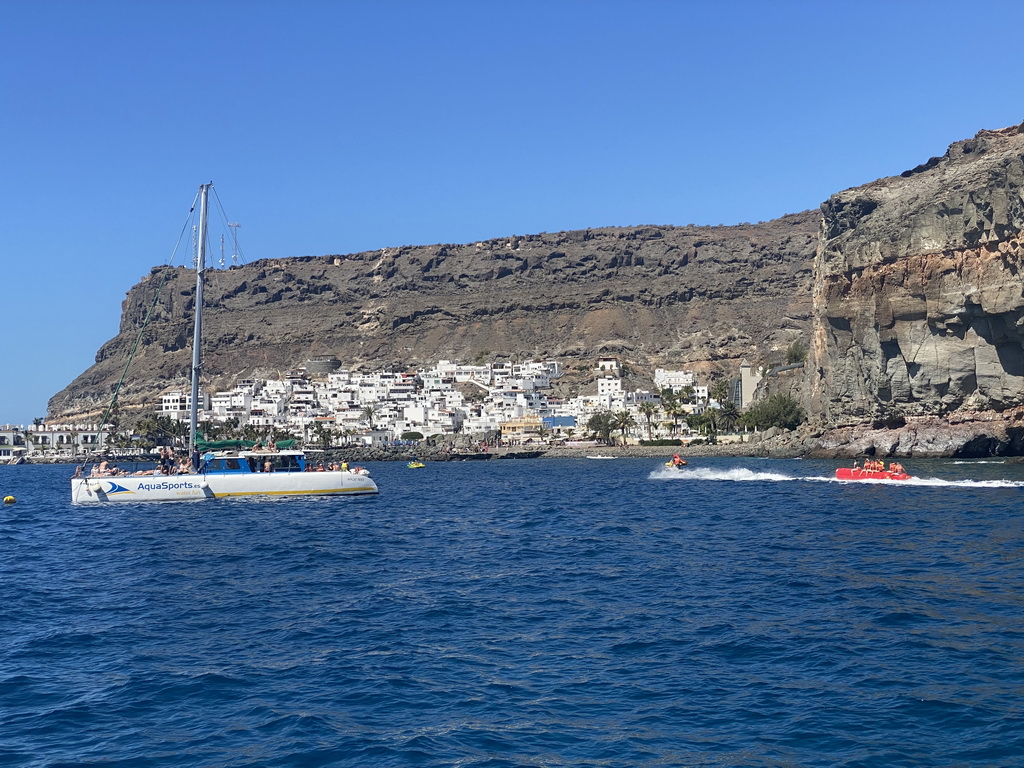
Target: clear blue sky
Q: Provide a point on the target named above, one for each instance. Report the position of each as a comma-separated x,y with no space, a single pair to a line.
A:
338,127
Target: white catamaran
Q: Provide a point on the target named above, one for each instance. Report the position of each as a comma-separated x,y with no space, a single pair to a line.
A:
220,473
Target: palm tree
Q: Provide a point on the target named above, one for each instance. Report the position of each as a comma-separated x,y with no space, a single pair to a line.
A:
624,421
648,409
709,422
368,413
210,430
669,397
602,424
675,411
278,435
720,391
250,432
322,435
728,415
697,422
687,394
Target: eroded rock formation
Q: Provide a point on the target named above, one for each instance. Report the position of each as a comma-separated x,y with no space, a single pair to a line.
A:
918,297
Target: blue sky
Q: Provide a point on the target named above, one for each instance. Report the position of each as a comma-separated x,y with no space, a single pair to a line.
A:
338,127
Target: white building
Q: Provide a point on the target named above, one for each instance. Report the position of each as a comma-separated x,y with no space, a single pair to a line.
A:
178,405
674,380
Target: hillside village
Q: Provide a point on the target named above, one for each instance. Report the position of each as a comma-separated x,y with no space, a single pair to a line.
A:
322,403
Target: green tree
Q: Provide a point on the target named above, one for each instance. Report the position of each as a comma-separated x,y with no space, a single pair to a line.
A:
648,410
668,398
161,430
677,411
728,415
278,435
323,435
368,413
719,391
624,421
250,432
710,418
780,410
796,352
601,425
210,430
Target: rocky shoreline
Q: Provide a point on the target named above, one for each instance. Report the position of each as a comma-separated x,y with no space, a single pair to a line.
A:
965,436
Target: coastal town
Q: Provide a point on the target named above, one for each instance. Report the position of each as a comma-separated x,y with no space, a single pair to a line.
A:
323,404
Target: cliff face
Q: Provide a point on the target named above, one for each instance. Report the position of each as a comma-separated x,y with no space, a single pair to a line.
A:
918,294
652,295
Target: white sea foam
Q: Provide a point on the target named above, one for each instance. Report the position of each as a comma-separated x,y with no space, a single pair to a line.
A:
740,474
979,461
737,474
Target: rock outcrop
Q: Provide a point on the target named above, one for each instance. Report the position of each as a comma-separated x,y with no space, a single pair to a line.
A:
919,297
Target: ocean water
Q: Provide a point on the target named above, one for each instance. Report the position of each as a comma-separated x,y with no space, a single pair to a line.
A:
523,613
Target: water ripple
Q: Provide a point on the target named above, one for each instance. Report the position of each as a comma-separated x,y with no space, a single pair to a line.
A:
547,613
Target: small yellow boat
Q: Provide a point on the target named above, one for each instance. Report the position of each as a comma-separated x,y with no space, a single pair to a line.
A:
415,465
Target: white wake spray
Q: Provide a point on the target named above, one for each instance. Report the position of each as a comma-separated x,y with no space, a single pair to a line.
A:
741,474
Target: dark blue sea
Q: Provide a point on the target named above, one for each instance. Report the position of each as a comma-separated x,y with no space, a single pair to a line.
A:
549,612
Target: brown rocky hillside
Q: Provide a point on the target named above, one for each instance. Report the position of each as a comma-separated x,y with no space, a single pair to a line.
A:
653,295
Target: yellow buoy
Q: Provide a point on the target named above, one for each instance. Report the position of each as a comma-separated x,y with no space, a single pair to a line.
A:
8,499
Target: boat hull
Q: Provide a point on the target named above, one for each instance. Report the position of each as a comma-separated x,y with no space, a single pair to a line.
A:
87,490
847,473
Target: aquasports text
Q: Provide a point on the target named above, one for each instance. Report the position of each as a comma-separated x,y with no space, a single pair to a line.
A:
166,486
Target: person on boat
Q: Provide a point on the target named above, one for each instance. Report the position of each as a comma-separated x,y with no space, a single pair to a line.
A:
677,461
268,466
856,466
344,466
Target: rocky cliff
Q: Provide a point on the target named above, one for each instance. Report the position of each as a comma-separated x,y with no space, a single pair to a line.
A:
699,296
918,296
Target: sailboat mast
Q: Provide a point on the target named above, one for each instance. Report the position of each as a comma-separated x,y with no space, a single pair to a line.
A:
204,194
